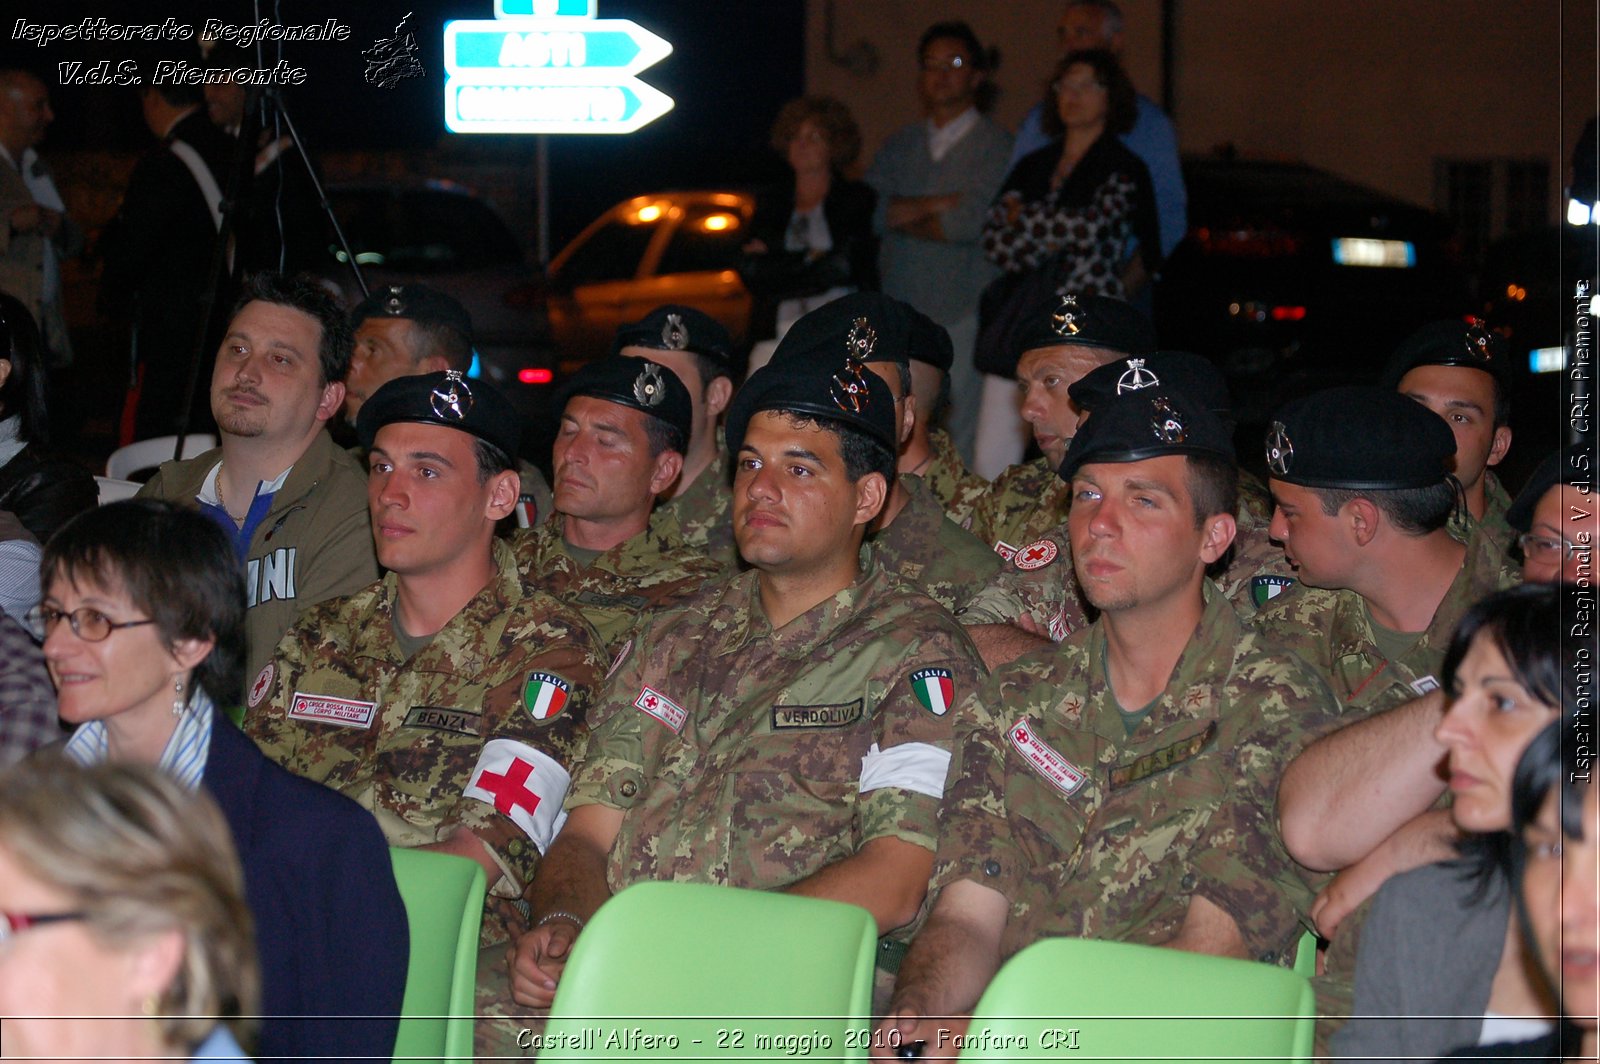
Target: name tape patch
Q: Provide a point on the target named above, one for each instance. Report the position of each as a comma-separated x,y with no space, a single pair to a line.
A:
786,717
1057,770
662,708
1157,761
325,709
445,719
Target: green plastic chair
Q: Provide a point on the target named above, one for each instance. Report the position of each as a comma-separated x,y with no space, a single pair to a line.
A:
444,907
687,971
1305,955
1085,1000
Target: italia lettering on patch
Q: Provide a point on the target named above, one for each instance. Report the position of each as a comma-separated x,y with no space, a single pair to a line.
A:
787,717
1423,684
1005,550
325,709
1263,589
262,685
662,708
1057,770
545,694
1157,761
445,719
1036,555
935,689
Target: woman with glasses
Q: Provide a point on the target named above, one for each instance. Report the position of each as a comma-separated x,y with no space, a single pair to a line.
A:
124,934
143,628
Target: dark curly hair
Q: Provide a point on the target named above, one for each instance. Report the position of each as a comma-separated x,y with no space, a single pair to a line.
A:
1122,106
832,118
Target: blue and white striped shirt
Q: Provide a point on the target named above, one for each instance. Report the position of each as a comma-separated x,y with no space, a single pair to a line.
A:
184,758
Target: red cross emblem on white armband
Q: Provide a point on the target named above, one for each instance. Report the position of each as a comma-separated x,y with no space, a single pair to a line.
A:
510,788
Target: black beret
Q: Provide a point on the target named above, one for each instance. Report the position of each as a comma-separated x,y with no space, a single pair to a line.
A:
414,302
840,390
1452,342
1181,371
678,328
1147,423
1360,438
1074,320
448,399
868,326
930,342
1573,464
646,386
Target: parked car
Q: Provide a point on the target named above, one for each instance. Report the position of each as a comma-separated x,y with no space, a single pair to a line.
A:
441,234
1293,279
662,247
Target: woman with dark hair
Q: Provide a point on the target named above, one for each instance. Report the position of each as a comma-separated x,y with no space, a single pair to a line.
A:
42,490
1441,964
143,626
811,239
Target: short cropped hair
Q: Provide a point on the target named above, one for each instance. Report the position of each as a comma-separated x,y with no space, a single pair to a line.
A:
305,293
1122,103
1413,511
491,460
954,30
1213,484
1110,11
177,567
861,453
139,855
831,117
662,436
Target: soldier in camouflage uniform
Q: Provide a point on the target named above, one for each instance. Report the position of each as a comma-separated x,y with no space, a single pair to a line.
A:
699,350
1383,585
785,730
1037,588
1061,339
1089,778
1462,372
930,453
448,698
624,428
912,537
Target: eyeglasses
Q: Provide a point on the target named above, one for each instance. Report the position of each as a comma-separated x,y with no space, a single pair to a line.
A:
934,66
1545,549
12,923
87,623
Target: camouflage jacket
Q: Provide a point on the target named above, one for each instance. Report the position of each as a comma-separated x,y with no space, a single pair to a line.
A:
1022,505
947,477
478,729
931,552
704,511
752,757
654,569
1091,832
1039,582
1496,502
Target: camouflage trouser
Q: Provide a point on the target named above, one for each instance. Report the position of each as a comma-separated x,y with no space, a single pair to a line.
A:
503,1028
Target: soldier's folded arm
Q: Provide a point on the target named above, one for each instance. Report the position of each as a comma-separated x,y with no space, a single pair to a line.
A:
888,877
569,886
1351,789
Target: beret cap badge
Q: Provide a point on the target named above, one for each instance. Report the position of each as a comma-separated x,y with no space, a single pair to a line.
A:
1169,428
1280,449
849,387
451,400
1065,319
648,388
674,335
394,304
861,341
1136,377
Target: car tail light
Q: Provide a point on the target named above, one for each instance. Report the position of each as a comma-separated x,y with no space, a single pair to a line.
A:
529,375
1288,313
1247,243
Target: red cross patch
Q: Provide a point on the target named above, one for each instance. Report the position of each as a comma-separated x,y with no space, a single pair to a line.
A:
258,690
510,788
1036,555
662,708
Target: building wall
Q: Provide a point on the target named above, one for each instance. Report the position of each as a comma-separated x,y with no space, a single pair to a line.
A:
1374,90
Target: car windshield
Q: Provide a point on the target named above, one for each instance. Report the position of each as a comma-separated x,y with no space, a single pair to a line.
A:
422,230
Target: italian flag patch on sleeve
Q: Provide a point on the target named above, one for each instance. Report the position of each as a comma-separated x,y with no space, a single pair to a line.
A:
935,689
545,694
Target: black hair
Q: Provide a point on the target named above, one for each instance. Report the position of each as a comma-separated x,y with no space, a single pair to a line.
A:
23,393
663,437
958,31
1213,484
305,293
1523,623
1122,101
446,341
491,459
862,454
1413,511
176,566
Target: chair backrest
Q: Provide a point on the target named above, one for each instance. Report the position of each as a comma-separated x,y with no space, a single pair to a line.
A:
747,973
1088,1000
444,906
1305,954
111,489
147,454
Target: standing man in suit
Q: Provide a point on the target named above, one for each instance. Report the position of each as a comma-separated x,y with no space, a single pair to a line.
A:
158,250
35,232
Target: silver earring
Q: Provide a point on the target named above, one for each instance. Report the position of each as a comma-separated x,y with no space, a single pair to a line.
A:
177,699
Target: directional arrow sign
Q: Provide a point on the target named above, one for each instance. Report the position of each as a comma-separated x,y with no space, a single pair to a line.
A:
499,107
549,51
